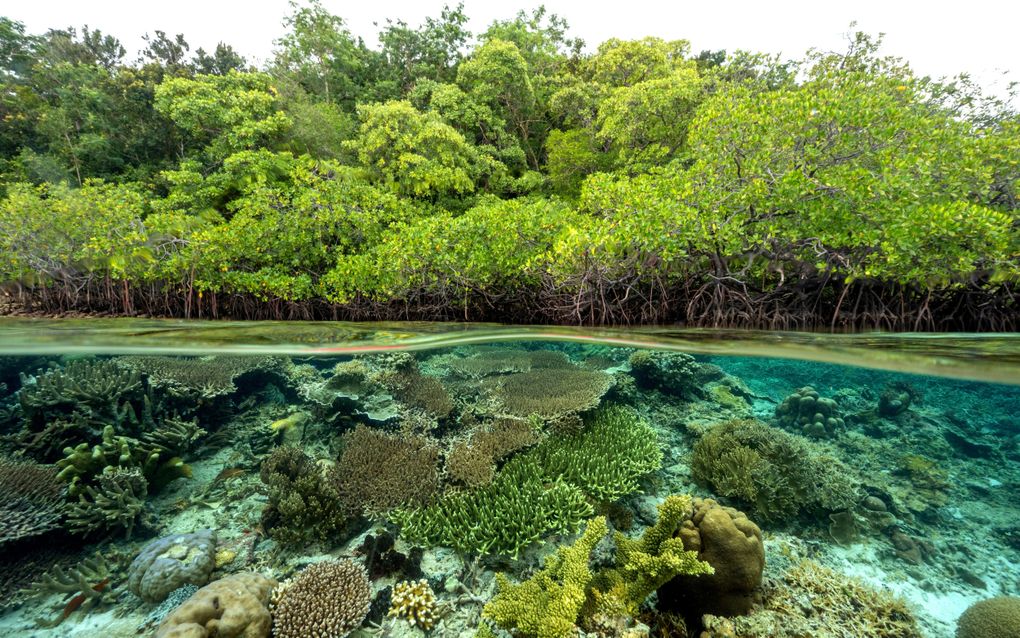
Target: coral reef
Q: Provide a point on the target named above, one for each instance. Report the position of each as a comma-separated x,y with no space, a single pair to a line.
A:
235,606
472,461
302,504
31,499
197,378
168,563
96,385
645,564
117,502
328,599
414,601
547,604
776,473
805,412
728,541
897,398
378,471
416,390
997,617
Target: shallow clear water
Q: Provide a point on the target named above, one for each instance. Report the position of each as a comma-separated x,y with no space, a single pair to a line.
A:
866,463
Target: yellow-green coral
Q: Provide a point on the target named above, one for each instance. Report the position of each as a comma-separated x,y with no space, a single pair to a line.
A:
415,601
547,604
645,564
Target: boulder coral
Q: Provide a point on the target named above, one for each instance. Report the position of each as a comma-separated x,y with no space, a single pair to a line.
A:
236,606
997,617
171,562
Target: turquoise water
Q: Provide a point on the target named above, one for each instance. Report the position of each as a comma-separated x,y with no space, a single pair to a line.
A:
837,485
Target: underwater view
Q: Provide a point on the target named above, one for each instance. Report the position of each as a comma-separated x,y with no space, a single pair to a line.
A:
177,479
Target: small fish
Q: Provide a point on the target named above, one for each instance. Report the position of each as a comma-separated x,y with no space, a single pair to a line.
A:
228,473
289,422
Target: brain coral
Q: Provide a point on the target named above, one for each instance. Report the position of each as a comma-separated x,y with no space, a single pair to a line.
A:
231,607
326,600
997,617
171,562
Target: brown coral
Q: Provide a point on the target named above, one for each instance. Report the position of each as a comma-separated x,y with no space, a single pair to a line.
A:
326,600
378,471
470,464
232,607
31,499
490,361
472,461
732,544
550,393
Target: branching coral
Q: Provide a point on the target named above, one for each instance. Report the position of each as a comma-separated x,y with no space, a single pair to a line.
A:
645,564
547,604
543,490
416,602
608,457
303,505
31,499
519,507
195,378
777,473
87,583
115,503
99,385
378,471
472,461
328,600
416,390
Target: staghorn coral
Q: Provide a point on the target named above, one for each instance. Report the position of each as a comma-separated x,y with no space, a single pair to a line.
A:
777,473
235,606
31,499
806,413
520,506
608,458
414,601
171,562
86,583
378,471
549,394
302,505
547,604
732,544
416,390
116,503
645,564
542,490
328,600
472,461
997,617
93,384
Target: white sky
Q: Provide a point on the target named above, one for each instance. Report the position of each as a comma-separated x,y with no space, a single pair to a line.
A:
937,37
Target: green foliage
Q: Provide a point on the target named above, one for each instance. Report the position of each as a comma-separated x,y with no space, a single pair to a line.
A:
547,604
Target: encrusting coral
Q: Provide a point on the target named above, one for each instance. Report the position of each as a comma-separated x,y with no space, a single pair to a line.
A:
236,606
327,600
31,499
997,617
732,544
414,601
171,562
547,605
